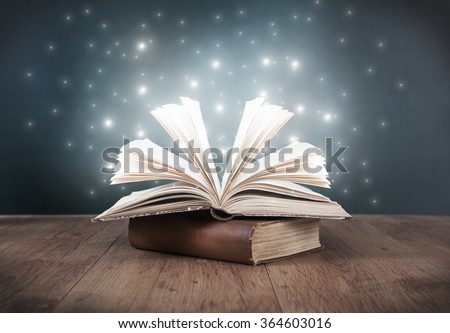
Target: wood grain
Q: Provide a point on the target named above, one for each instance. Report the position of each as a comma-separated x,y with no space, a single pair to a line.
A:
372,264
42,258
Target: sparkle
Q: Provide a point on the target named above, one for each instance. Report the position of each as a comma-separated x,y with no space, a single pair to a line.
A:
215,64
295,64
141,46
193,84
142,90
140,133
219,108
300,108
108,123
327,117
265,62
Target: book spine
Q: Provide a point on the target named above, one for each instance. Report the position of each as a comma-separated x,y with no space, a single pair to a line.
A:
230,241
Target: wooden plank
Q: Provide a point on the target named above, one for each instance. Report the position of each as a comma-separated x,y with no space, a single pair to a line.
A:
122,276
199,285
131,280
42,258
377,263
364,269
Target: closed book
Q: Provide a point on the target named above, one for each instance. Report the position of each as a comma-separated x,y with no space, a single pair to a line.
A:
243,240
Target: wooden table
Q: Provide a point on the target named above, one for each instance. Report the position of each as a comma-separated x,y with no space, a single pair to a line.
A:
371,264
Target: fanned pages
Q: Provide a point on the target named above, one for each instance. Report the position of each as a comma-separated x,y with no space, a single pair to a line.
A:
252,185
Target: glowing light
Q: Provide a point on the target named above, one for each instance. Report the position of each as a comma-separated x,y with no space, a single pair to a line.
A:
142,90
140,133
141,46
219,108
193,84
108,123
265,62
327,117
300,108
215,64
295,64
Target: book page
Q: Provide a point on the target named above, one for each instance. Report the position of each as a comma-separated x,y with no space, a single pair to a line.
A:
258,124
299,162
177,195
257,205
185,123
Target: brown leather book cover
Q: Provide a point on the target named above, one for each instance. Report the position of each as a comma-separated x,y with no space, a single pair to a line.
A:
196,234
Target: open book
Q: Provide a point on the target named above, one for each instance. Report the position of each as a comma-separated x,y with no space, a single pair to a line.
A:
252,184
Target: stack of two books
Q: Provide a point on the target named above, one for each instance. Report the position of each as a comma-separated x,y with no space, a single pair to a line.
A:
259,212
